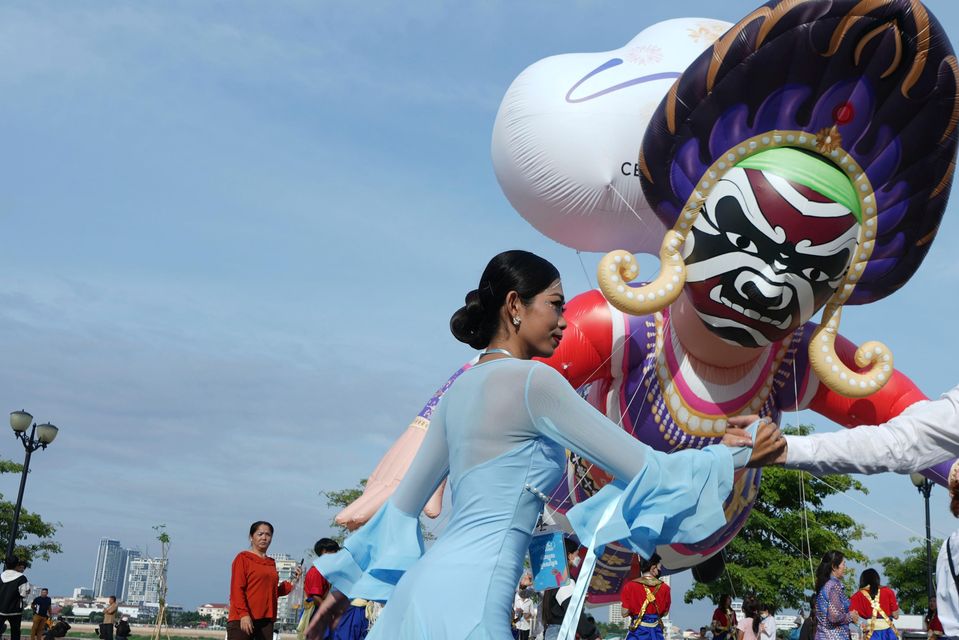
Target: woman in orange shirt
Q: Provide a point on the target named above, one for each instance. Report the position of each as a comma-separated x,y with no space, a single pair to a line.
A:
254,588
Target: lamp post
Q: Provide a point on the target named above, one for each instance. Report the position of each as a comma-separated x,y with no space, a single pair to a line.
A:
40,436
924,485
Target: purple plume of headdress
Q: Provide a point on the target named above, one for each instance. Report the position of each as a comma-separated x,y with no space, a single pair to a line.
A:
882,72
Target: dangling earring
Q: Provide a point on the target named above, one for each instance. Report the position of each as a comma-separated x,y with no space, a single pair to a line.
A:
516,321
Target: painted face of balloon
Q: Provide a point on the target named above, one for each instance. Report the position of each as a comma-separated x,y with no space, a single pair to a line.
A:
764,255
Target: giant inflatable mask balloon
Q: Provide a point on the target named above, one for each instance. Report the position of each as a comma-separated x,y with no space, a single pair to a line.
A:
768,249
567,132
800,163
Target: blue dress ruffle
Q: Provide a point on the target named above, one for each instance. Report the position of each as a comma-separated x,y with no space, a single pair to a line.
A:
657,506
374,557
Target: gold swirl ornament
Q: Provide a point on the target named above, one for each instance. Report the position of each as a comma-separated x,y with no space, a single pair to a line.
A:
618,268
837,376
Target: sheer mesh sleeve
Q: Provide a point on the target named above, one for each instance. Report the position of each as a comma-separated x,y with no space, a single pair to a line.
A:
375,557
430,466
559,413
658,498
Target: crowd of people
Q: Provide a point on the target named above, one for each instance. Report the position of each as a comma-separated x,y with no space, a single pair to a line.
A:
15,590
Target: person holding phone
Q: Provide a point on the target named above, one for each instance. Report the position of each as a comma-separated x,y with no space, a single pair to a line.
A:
255,587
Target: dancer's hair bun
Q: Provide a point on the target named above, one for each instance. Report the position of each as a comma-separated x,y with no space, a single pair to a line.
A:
469,322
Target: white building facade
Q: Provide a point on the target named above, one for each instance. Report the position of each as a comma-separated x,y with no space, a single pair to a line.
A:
287,611
143,580
218,611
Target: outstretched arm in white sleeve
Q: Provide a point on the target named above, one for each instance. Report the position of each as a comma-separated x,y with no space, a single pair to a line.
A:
923,435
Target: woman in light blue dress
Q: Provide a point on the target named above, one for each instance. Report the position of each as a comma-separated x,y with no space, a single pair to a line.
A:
500,435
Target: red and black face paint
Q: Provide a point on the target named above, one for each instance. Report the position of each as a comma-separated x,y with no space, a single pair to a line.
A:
764,255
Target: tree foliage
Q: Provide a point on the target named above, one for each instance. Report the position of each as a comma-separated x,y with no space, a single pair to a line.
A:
907,575
340,500
770,557
163,537
34,534
188,619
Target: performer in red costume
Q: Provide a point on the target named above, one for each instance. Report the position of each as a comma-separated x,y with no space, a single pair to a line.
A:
646,601
877,607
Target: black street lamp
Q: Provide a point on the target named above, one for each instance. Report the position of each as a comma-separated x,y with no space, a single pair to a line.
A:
924,485
40,436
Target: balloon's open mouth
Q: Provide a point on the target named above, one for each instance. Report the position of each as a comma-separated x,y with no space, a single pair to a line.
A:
718,295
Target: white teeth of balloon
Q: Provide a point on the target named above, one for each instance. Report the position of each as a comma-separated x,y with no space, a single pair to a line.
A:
785,323
714,294
752,314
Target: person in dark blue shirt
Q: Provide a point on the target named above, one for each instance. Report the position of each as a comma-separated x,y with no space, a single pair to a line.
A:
41,614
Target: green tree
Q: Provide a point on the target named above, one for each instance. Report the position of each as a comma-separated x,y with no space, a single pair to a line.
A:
770,556
907,575
67,610
35,533
188,619
161,619
611,630
339,500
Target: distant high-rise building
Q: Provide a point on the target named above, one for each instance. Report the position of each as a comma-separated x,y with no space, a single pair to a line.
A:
109,571
143,580
286,614
617,615
128,556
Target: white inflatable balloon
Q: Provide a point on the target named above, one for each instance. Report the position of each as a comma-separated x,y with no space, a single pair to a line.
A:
568,132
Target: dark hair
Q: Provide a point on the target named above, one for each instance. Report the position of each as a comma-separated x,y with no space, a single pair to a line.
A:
325,545
723,599
12,562
870,579
526,273
830,560
256,525
932,610
571,545
646,565
761,606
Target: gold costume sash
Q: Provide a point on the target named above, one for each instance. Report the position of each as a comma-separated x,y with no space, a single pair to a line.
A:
650,599
879,620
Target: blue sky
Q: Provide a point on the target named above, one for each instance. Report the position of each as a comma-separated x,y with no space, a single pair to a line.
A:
235,233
